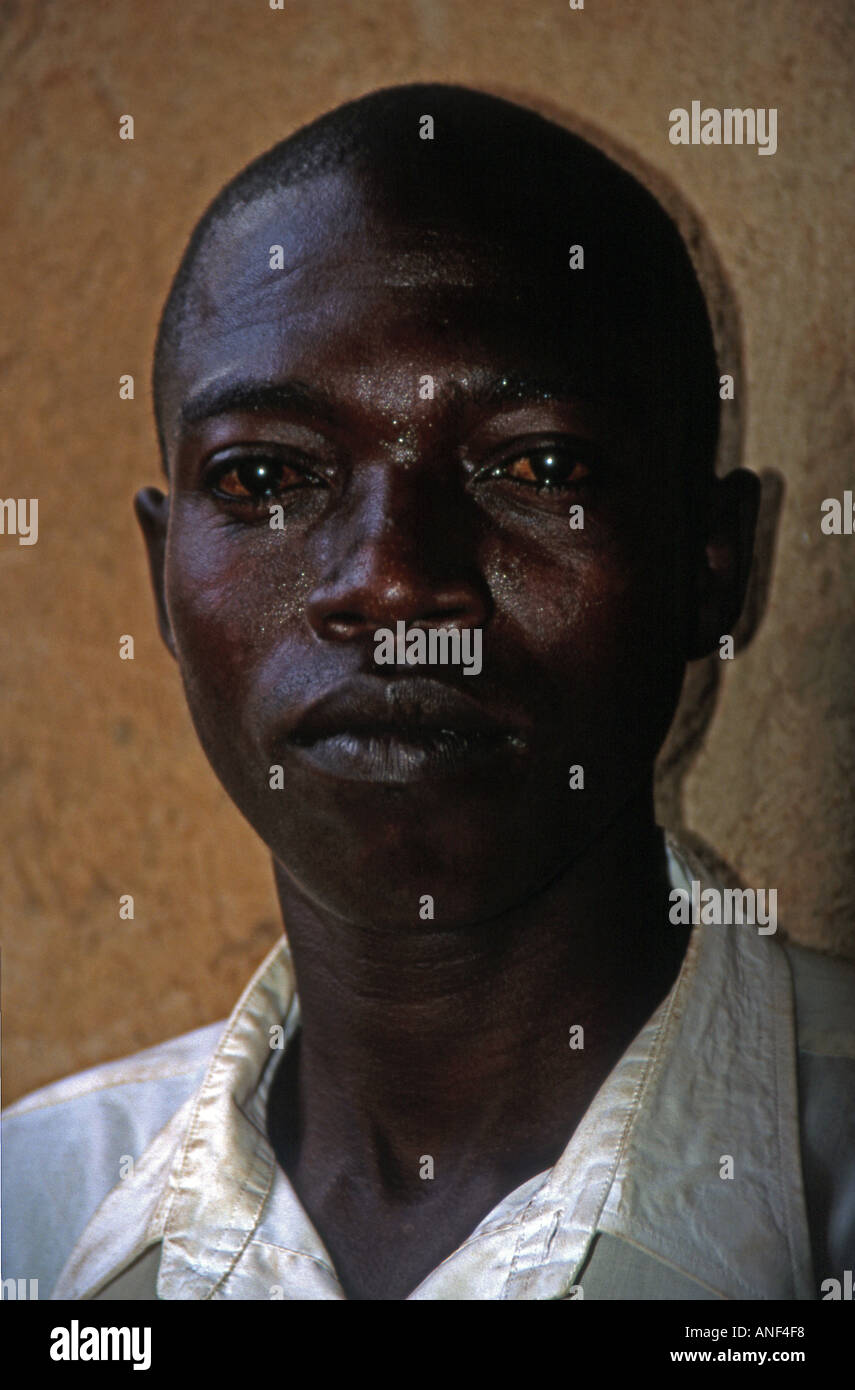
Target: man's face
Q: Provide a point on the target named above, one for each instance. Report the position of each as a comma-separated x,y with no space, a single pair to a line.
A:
443,509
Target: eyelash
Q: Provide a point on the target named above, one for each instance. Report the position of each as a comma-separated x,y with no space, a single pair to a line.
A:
584,453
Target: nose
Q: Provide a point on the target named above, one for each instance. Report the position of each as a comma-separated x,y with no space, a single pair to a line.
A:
404,551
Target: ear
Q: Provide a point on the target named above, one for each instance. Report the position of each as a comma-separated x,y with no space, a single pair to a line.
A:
152,512
724,559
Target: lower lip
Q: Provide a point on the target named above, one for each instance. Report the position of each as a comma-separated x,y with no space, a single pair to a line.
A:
400,759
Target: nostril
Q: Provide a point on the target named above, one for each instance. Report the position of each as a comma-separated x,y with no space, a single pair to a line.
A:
344,622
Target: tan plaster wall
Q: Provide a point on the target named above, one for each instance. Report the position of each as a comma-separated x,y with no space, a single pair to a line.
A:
104,788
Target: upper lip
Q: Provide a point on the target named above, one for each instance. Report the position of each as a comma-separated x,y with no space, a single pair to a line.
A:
371,705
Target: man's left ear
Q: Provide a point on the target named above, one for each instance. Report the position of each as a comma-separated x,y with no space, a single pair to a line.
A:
725,559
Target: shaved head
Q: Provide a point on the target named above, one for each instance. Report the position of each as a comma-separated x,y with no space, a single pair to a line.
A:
496,186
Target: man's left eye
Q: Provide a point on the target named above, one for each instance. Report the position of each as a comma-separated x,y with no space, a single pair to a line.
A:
258,479
548,469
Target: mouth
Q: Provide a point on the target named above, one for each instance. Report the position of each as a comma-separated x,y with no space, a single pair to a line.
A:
404,756
396,732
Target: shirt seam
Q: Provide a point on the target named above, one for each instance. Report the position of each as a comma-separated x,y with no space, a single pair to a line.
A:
300,1254
659,1259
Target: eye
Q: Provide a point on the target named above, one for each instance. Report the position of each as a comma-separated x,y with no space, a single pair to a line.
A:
257,478
549,468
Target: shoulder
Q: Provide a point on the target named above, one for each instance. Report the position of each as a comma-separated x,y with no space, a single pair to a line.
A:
824,990
177,1057
65,1146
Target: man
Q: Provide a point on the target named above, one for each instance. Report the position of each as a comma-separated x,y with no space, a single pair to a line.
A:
434,364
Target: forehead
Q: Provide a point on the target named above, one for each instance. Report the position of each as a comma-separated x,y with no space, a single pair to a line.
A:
314,244
339,219
334,273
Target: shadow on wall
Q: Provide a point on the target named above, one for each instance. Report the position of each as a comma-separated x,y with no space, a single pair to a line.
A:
701,689
703,678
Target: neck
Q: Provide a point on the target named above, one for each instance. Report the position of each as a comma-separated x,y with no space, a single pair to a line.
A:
424,1040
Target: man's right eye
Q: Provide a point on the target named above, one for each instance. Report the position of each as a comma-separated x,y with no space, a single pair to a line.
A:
257,479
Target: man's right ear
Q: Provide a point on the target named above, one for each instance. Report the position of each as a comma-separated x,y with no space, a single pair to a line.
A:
152,512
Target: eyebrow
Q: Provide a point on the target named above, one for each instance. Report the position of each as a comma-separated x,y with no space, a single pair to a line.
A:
223,398
512,386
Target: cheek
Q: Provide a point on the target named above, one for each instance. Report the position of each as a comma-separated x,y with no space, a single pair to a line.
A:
595,623
594,600
229,598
